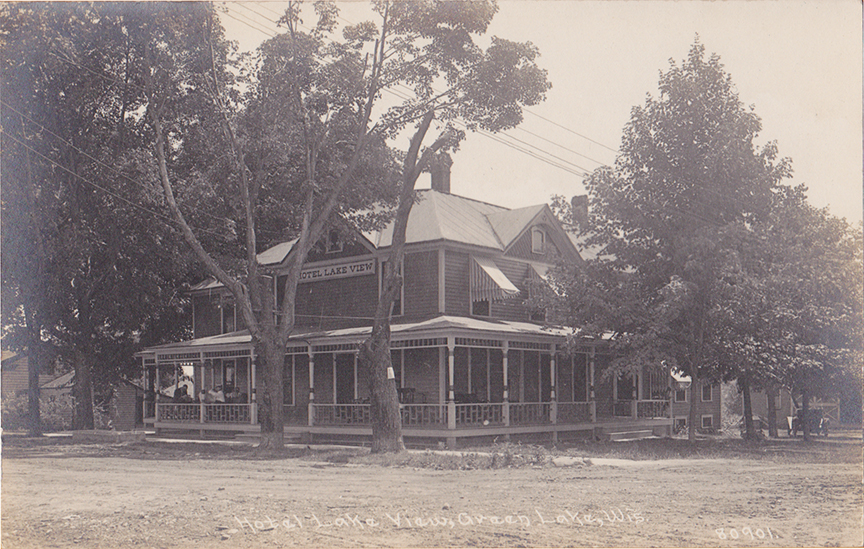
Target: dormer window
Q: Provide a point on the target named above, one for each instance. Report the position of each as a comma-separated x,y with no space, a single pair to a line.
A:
538,240
334,242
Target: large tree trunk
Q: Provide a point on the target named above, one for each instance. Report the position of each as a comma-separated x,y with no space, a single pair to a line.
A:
34,366
805,413
386,416
375,351
772,391
693,415
269,359
82,393
749,432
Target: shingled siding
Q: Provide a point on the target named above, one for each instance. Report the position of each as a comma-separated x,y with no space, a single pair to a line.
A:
335,303
522,248
457,284
421,284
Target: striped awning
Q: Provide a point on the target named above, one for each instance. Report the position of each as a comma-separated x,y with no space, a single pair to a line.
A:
489,283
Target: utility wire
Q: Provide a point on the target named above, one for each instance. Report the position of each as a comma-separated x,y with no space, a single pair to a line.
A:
525,109
96,160
495,137
163,217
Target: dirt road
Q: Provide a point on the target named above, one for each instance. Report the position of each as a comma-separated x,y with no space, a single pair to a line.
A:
59,497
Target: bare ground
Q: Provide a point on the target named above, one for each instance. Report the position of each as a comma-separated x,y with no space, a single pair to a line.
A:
159,494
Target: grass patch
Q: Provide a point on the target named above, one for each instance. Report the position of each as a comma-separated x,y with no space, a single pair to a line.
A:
839,448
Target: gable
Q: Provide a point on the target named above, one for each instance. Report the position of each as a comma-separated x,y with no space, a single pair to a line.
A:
557,244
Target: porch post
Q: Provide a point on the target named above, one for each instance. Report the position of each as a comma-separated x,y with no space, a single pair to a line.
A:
591,396
253,404
637,389
311,413
671,399
451,394
553,399
505,412
357,352
250,377
553,405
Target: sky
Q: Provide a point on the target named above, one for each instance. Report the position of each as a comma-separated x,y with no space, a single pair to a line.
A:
798,63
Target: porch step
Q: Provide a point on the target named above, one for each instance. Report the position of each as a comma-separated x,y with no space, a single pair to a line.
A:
628,434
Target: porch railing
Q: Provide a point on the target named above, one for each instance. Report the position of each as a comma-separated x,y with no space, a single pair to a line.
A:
422,415
178,412
169,412
527,413
574,412
622,408
227,413
479,414
342,414
652,409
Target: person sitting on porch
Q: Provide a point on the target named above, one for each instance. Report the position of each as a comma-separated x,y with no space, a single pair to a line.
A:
217,395
184,395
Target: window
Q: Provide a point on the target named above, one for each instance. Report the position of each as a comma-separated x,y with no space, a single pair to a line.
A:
708,422
538,240
680,424
480,308
706,393
334,242
537,315
681,395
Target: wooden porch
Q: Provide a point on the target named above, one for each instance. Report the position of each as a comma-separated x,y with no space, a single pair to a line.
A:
428,424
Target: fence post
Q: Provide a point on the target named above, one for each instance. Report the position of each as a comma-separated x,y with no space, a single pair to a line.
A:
253,413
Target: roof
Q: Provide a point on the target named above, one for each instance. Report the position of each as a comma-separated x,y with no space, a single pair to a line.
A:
509,224
443,216
62,382
408,330
438,216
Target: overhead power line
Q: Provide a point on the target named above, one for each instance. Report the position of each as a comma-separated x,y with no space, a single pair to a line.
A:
501,138
99,162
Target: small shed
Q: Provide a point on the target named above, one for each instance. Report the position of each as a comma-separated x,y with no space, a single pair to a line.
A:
127,406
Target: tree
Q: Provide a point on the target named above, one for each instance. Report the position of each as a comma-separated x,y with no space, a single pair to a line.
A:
88,265
688,169
306,131
484,90
792,302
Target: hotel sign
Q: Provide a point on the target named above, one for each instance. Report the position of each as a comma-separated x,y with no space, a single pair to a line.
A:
345,270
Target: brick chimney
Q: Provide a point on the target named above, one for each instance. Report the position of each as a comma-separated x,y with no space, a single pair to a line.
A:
439,167
579,204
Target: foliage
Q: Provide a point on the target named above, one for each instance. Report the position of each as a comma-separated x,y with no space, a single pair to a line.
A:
56,414
687,172
790,300
85,253
484,90
308,140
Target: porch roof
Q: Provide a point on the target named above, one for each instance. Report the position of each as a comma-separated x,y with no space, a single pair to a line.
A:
436,327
